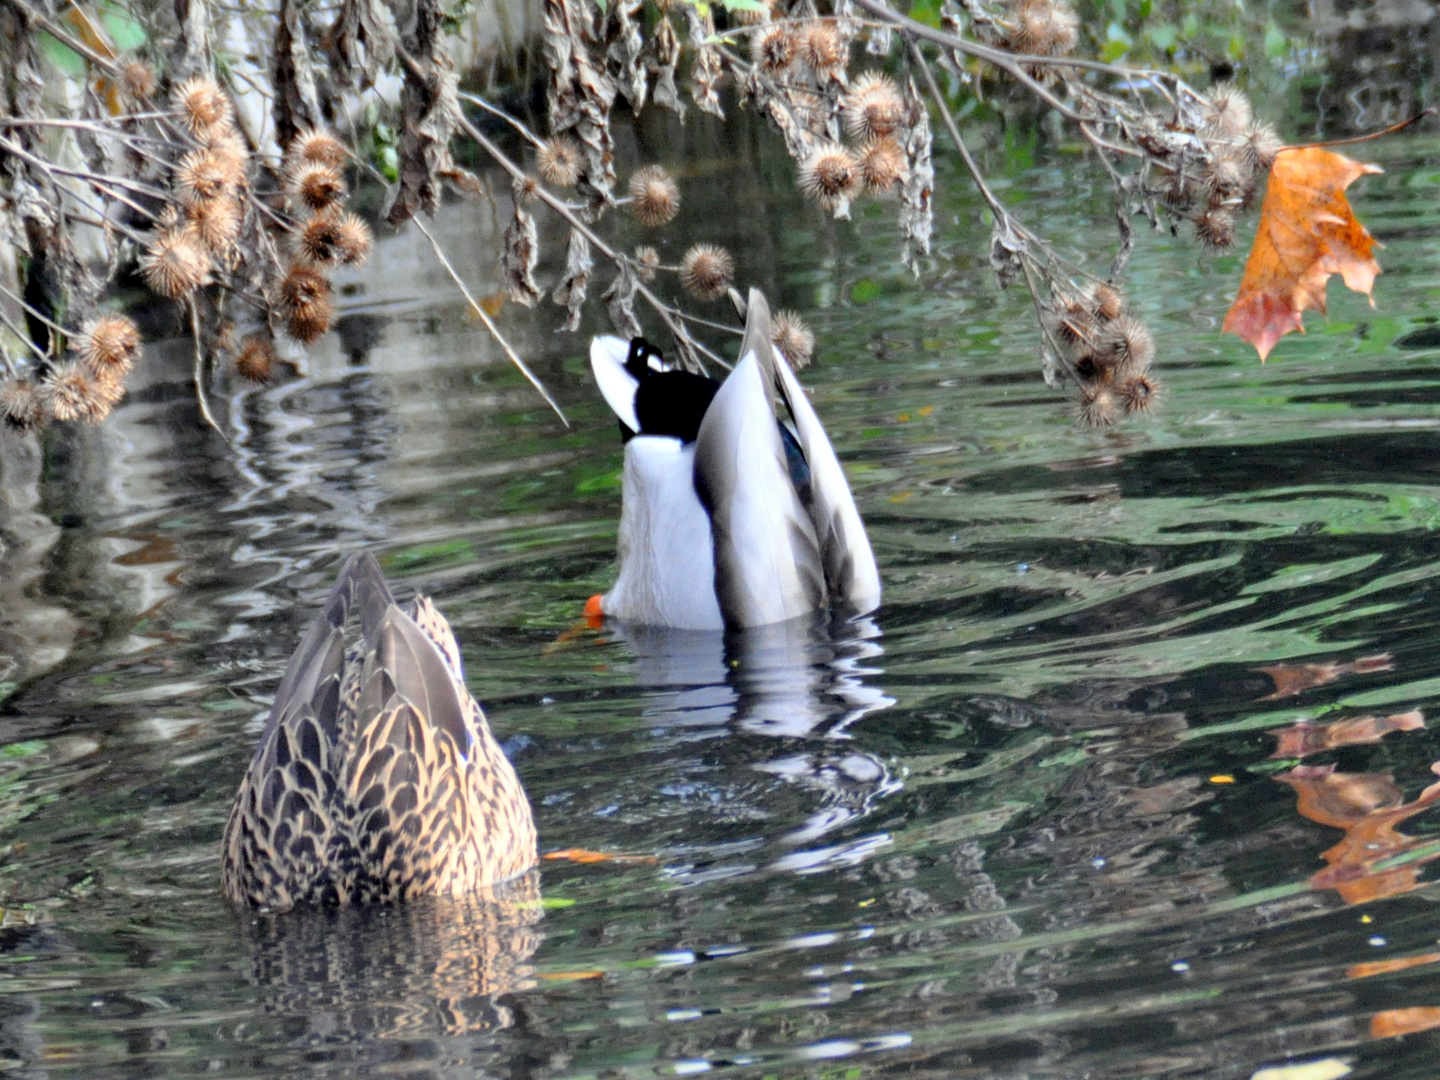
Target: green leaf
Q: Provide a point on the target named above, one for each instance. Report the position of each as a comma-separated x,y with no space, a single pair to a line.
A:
125,31
927,12
864,290
1276,43
62,56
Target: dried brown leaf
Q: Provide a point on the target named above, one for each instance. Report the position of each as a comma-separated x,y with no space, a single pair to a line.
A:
570,293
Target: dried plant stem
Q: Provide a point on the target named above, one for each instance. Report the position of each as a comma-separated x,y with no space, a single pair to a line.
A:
971,164
490,324
514,122
199,373
32,311
573,220
23,336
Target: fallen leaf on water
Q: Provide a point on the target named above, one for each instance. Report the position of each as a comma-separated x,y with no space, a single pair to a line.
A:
1292,679
1307,232
1389,967
1324,1069
1303,739
1368,807
584,855
1392,1022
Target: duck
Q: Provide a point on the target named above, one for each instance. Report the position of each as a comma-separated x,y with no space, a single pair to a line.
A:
731,516
377,777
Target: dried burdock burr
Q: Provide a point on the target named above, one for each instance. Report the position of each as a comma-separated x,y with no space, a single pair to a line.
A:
654,196
706,271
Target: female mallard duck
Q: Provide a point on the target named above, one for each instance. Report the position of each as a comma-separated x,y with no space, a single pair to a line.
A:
377,777
729,518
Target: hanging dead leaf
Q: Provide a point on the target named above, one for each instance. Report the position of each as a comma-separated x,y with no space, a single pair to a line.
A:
520,253
1307,232
570,293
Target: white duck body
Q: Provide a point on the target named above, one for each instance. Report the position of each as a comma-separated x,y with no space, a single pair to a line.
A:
714,533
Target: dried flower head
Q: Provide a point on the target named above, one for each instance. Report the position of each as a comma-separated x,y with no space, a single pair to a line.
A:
1126,347
69,392
315,186
559,161
256,359
1138,392
654,196
873,107
1215,228
201,175
332,236
830,176
1041,27
1261,145
821,47
175,264
216,222
229,149
315,146
647,259
882,164
202,105
774,50
1075,325
1178,189
110,344
137,81
20,406
1227,111
1228,179
1097,407
792,337
305,303
706,271
1106,301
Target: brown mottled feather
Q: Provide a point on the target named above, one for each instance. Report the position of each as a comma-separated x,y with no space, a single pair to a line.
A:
377,777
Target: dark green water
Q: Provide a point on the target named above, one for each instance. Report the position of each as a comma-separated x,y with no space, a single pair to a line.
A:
1022,823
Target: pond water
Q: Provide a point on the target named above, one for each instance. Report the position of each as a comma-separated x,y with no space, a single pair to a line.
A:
1032,819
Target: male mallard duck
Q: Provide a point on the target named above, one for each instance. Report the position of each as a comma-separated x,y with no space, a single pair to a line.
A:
729,518
377,777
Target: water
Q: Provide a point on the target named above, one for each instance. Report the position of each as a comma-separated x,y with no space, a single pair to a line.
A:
1025,822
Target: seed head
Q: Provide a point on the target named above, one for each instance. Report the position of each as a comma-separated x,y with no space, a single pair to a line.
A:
202,105
315,146
316,186
1261,145
137,81
774,50
873,107
792,337
706,271
821,48
256,359
830,176
1138,393
1041,27
110,344
305,303
20,406
202,175
216,222
646,261
227,147
332,236
559,161
175,264
882,164
69,392
1106,301
1227,112
1229,179
1097,407
1125,348
1075,326
1215,228
654,196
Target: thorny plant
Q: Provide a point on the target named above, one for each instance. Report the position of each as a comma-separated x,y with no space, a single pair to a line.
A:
226,186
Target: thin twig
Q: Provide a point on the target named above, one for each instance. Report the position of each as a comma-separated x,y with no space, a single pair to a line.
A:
490,324
976,175
200,372
503,115
23,336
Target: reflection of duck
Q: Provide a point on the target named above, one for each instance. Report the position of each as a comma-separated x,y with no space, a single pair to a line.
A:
729,519
376,777
434,966
795,683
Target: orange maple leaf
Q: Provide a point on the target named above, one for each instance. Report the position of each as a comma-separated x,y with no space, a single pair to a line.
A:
1307,232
